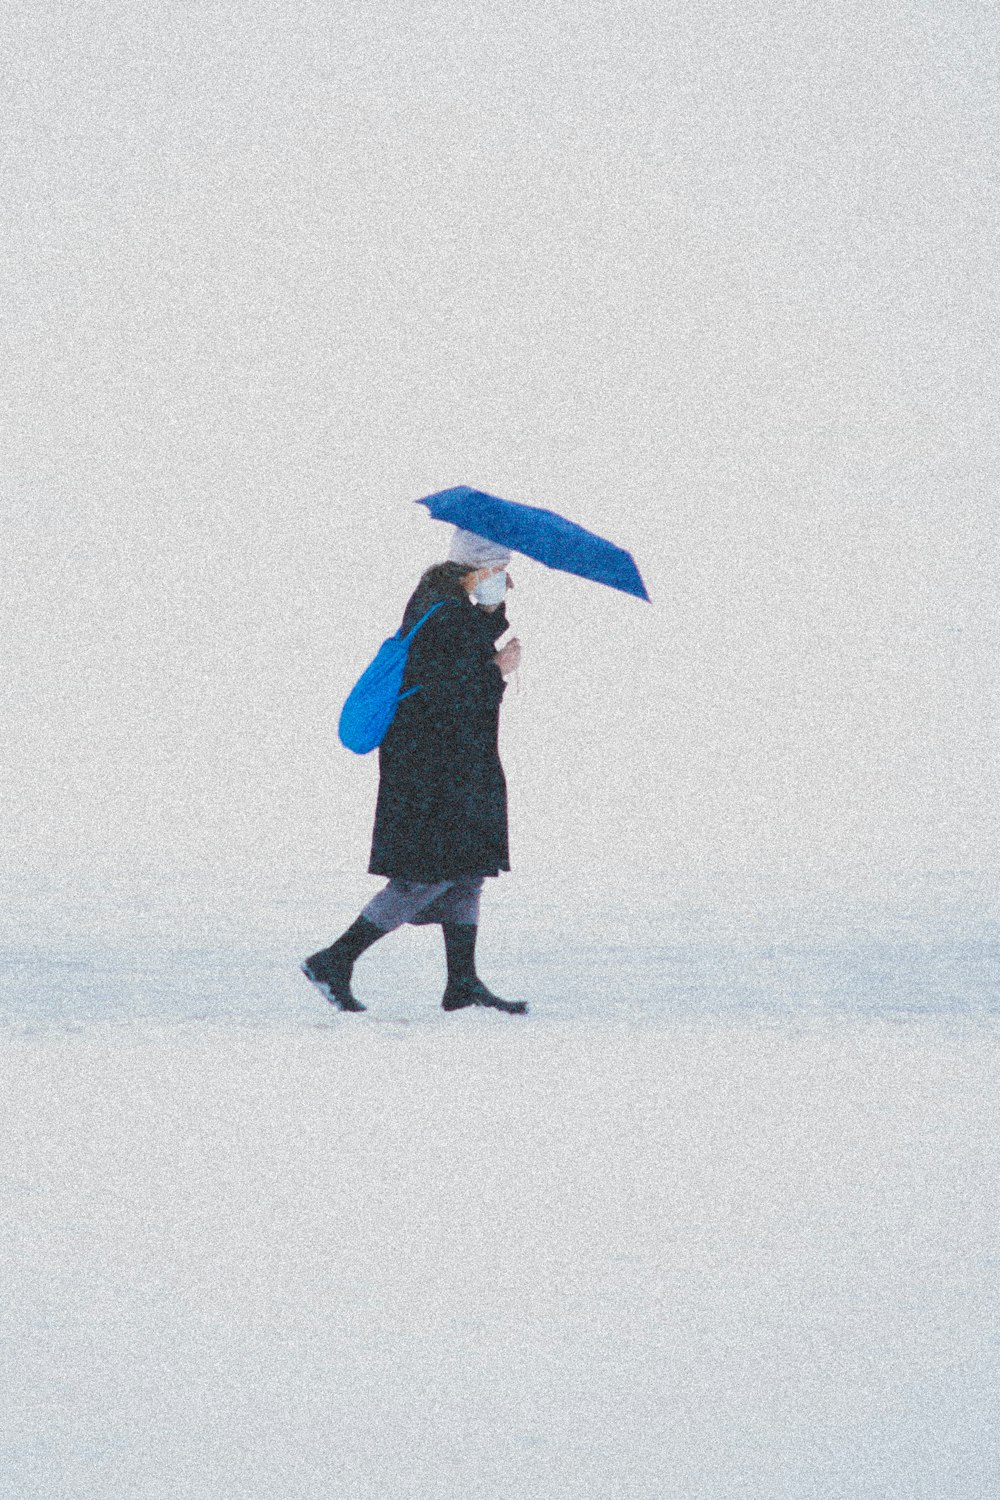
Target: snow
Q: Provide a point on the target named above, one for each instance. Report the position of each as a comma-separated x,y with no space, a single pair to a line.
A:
718,1219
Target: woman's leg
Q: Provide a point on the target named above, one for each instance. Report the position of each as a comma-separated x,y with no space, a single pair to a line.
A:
403,901
331,968
458,912
458,902
459,916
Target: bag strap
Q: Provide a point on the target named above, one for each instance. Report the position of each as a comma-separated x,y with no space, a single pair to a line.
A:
408,637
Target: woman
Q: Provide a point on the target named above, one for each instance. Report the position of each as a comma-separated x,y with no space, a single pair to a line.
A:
441,818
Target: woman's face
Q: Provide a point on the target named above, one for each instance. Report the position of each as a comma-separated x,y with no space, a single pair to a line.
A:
471,581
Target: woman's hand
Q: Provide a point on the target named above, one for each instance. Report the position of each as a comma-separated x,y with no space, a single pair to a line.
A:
509,659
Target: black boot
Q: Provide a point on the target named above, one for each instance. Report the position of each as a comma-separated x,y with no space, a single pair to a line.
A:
464,987
330,969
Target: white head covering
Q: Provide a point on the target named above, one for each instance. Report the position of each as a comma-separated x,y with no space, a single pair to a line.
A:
476,551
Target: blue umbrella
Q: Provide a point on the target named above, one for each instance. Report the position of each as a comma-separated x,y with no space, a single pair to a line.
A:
541,534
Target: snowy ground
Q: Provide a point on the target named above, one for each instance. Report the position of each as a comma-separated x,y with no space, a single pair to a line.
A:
719,1219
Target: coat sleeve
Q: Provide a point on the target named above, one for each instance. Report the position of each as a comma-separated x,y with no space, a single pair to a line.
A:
494,625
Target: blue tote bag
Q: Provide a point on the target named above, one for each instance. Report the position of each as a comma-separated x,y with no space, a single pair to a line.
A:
372,702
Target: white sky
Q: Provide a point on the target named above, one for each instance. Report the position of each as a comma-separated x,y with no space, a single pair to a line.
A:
718,280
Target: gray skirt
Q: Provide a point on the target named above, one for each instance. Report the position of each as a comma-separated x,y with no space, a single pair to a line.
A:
412,901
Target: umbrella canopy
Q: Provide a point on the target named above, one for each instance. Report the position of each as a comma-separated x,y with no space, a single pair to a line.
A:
541,534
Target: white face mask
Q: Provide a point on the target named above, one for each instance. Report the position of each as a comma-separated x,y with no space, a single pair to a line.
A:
492,590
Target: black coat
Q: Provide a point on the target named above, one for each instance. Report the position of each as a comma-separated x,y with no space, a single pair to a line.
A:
442,798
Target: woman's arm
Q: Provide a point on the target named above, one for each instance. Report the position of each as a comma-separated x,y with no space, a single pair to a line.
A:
492,620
